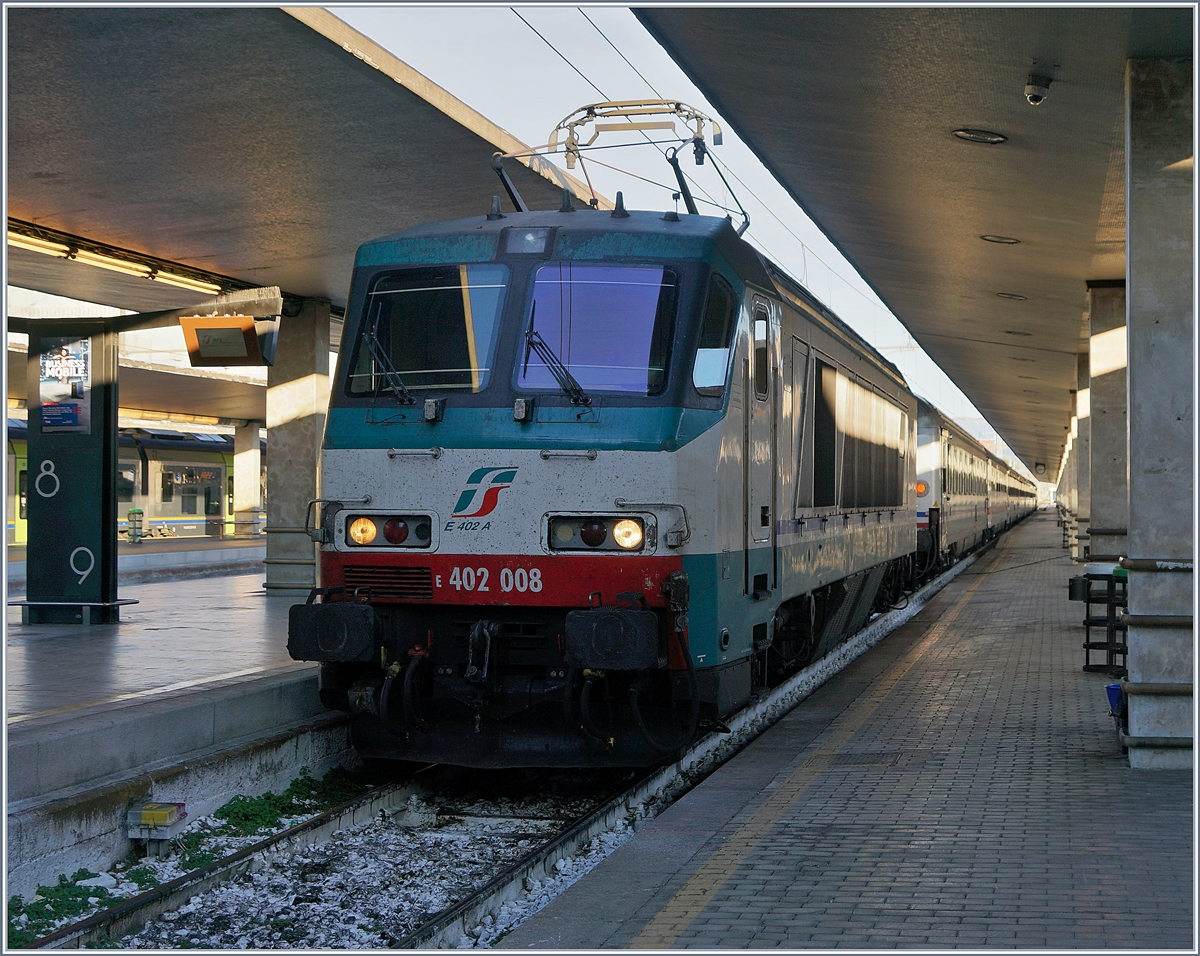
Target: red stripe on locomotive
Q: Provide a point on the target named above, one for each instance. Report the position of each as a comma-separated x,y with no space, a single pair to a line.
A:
499,579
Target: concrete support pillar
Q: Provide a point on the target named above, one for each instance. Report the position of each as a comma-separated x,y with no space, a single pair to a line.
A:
1109,526
1066,484
297,400
1083,460
1160,275
247,469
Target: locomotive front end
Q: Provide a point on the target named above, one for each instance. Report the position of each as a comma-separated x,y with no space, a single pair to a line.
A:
503,522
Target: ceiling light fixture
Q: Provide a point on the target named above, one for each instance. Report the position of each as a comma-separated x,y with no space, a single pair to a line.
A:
113,265
82,250
183,282
34,244
1015,296
987,137
1002,240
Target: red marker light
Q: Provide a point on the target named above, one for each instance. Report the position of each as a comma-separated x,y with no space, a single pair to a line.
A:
593,532
395,530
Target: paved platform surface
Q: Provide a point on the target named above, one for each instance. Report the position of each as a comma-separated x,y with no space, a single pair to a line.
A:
959,785
181,635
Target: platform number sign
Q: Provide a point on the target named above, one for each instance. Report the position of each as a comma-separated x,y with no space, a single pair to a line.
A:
73,439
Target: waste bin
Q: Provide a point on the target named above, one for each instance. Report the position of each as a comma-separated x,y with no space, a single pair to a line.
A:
1116,709
134,519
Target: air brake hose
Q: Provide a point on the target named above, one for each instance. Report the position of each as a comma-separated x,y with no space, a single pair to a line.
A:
694,690
585,712
411,717
569,699
385,714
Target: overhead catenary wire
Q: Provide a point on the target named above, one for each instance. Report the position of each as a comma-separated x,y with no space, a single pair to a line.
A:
606,97
709,200
620,54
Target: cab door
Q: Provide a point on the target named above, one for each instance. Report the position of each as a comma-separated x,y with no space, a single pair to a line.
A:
760,447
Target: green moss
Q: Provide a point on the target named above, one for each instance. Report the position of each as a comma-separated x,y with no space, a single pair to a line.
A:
143,876
50,905
246,816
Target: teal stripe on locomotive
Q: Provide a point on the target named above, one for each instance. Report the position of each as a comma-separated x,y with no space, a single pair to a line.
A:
390,251
430,250
614,429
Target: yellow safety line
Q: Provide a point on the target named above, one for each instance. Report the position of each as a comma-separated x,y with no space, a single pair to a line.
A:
674,919
471,353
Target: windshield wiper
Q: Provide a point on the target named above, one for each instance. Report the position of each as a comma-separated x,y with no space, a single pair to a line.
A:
562,375
390,375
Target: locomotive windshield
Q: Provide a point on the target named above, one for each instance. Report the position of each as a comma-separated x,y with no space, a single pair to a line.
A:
609,325
436,328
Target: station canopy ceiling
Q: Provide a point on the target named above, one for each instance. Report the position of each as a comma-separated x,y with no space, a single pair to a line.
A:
260,144
854,111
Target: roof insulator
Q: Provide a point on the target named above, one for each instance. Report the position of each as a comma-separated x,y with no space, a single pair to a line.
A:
619,209
566,203
671,216
495,213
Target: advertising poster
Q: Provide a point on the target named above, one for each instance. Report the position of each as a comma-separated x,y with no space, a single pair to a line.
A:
66,385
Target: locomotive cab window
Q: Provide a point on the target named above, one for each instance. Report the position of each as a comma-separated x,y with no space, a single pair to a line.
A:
716,329
430,328
609,326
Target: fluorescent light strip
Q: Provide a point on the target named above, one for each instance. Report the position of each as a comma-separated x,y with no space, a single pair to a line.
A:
114,265
62,251
38,245
195,285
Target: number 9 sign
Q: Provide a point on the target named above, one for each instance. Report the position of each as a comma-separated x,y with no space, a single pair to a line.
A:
91,563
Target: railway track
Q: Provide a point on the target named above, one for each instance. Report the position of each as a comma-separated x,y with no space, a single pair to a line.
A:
496,861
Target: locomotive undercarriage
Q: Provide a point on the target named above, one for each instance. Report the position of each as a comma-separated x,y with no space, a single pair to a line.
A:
495,687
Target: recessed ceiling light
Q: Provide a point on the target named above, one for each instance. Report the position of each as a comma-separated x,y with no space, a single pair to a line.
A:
1016,332
980,136
1002,240
1015,296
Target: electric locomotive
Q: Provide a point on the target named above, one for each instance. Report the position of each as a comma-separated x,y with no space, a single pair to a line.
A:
589,478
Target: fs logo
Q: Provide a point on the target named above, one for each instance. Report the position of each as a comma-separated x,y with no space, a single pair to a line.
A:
483,491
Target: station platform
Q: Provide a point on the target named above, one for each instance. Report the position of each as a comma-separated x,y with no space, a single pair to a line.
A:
191,698
177,636
959,785
165,559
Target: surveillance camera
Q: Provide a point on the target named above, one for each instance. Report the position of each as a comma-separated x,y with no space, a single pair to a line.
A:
1037,88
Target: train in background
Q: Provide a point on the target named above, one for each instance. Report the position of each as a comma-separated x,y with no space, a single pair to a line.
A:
589,479
965,494
182,482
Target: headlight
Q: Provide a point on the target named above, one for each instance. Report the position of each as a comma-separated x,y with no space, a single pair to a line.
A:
388,531
605,533
628,534
922,489
362,530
